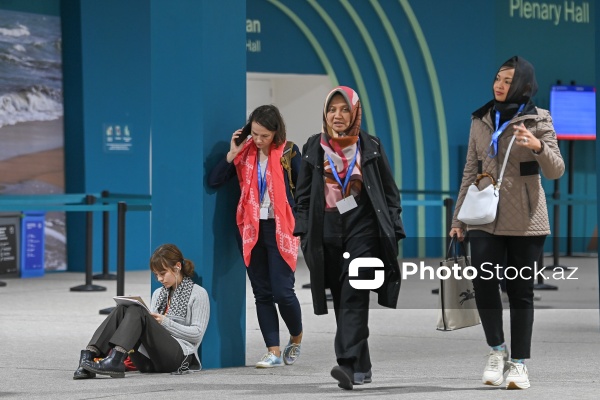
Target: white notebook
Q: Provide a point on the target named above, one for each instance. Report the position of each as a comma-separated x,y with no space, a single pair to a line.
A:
128,300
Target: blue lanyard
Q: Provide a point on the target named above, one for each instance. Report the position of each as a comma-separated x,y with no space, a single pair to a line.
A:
348,174
262,179
496,135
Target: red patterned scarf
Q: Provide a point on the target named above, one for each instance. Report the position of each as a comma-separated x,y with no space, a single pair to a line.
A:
248,209
341,150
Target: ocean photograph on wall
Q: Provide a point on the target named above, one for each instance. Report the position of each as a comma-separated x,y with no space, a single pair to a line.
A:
31,118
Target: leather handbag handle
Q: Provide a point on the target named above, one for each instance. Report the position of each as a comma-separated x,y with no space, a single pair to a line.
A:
484,175
499,181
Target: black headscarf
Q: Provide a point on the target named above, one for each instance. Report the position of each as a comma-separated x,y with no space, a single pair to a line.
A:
522,89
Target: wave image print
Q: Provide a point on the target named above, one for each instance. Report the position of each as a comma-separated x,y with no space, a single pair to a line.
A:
30,68
31,123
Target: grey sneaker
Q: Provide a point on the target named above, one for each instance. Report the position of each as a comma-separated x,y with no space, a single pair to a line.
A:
270,360
291,352
496,366
360,378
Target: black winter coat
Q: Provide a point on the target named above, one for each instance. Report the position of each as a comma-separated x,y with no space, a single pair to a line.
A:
381,189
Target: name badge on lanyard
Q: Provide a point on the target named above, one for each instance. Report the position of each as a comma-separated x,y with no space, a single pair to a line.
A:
493,148
347,203
262,188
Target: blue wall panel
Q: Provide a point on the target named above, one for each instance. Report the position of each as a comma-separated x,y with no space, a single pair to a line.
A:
107,84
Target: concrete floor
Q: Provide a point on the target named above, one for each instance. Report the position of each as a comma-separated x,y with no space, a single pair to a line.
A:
43,326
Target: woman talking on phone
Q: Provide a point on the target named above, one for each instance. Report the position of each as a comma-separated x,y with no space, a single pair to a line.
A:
166,339
266,224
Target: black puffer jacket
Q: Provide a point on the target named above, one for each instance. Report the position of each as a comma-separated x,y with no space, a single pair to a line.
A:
379,185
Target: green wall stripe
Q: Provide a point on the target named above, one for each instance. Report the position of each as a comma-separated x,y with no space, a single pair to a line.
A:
416,117
361,88
437,99
312,40
385,86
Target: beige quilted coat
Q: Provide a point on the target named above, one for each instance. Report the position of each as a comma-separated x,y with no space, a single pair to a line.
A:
522,209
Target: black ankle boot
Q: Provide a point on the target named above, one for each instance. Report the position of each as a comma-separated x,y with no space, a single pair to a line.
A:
81,373
113,365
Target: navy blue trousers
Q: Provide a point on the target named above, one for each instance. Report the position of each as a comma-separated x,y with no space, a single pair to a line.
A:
272,282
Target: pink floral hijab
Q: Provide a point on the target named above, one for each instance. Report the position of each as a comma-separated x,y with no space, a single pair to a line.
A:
341,150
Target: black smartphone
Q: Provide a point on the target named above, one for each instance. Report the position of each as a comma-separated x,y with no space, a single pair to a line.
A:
244,135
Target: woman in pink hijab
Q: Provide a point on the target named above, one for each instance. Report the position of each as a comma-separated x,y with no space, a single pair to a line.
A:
348,207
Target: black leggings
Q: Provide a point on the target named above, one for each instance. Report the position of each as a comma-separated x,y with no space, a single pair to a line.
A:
132,326
518,255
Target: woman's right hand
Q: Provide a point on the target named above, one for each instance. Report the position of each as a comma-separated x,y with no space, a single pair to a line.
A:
458,232
158,317
234,149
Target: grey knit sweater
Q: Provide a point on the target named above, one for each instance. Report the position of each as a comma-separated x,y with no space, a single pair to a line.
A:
188,332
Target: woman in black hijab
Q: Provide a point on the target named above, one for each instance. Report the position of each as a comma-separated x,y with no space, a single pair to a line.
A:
515,239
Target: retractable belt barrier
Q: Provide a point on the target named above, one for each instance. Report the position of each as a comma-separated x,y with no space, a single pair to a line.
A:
86,203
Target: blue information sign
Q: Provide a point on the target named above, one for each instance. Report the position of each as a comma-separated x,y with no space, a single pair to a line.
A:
573,110
32,245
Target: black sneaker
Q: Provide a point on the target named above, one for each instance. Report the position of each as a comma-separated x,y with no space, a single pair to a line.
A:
344,376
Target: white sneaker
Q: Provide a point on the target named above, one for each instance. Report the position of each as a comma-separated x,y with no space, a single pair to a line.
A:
496,366
518,377
270,360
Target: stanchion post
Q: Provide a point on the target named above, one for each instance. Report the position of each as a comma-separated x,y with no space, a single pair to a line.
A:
556,229
540,285
105,275
570,179
88,287
556,237
448,212
121,210
121,213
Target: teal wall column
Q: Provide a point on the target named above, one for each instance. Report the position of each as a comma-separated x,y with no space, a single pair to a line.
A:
198,85
106,64
73,125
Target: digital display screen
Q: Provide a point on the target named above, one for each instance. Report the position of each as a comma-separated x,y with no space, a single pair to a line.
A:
573,110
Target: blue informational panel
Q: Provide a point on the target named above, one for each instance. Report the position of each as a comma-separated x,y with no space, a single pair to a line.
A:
573,110
32,244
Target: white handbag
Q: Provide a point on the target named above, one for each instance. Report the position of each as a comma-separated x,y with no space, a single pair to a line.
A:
480,206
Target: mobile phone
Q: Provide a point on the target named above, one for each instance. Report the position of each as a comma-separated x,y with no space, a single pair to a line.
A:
244,135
